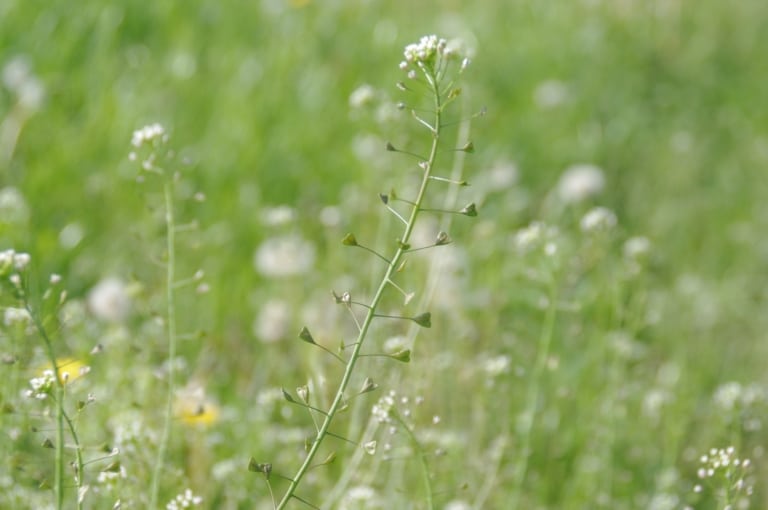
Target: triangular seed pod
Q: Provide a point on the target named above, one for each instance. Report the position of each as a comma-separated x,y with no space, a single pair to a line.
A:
305,335
368,386
403,356
287,396
423,319
469,210
349,240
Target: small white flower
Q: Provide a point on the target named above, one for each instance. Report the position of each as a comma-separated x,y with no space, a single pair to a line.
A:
580,182
148,135
362,96
424,50
109,300
598,219
273,321
728,395
497,365
278,216
550,93
21,261
185,500
330,216
13,206
284,256
41,386
13,316
536,235
637,247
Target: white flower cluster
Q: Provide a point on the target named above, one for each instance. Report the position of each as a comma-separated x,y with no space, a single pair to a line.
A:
41,386
580,182
18,78
732,395
11,259
13,315
427,54
724,463
598,219
286,255
148,134
425,50
185,500
382,408
536,235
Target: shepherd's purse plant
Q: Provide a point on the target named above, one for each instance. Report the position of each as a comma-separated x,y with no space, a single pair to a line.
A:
431,67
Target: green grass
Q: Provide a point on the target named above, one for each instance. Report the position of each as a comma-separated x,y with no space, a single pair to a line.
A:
667,99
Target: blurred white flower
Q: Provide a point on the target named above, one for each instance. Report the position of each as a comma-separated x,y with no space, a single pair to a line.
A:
497,365
273,321
71,235
277,216
13,316
362,96
284,256
598,219
18,78
148,134
637,247
536,235
359,498
457,504
550,93
330,216
184,500
580,182
500,176
109,300
13,206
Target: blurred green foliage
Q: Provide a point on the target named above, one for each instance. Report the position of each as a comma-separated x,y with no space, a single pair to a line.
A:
667,97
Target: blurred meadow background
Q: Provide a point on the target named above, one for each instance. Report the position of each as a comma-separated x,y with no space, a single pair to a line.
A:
578,357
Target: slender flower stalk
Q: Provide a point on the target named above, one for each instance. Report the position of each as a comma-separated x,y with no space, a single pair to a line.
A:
170,298
63,420
149,146
432,57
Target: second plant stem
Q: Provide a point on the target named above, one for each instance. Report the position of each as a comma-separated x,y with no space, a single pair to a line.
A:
170,238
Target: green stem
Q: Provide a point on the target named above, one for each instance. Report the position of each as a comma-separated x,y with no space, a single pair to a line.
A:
366,324
422,458
171,330
532,400
58,482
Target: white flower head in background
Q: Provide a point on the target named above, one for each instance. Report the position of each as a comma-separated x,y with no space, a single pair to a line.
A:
362,96
18,78
598,219
550,93
273,321
284,256
13,206
109,300
580,182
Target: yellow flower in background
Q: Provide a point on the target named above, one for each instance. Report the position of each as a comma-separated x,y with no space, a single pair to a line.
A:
193,408
70,369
